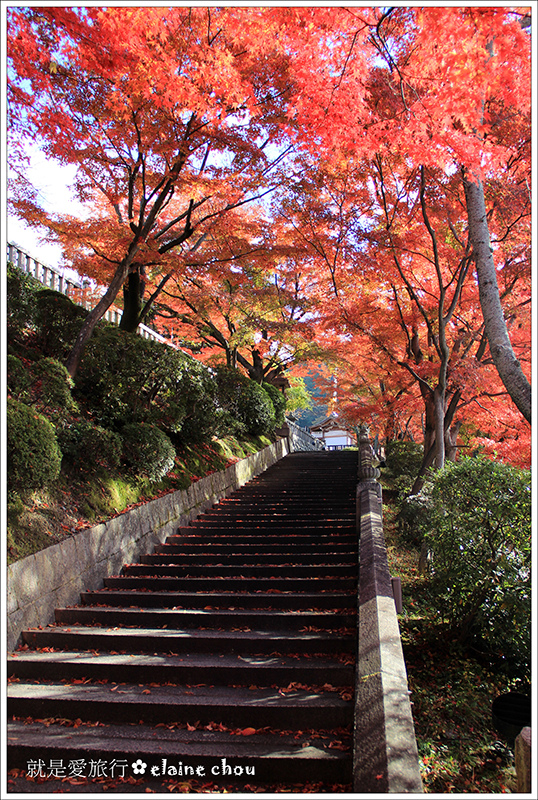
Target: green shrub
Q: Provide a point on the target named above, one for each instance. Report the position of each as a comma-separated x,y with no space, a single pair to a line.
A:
257,410
479,534
147,451
279,403
58,322
404,458
230,388
87,447
53,386
21,290
114,379
18,377
33,454
246,407
124,379
45,384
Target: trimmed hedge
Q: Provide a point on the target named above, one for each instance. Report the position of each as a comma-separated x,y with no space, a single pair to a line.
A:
88,447
279,402
33,454
147,451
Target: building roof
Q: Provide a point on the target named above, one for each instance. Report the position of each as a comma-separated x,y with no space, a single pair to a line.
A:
330,423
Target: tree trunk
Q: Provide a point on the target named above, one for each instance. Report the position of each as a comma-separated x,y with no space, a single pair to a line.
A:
506,363
133,292
451,439
429,455
439,404
73,359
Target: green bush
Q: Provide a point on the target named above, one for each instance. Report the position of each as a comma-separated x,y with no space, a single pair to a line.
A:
21,290
115,377
246,407
18,377
53,386
45,384
58,321
279,403
33,455
404,458
257,410
87,447
230,388
125,379
147,451
479,534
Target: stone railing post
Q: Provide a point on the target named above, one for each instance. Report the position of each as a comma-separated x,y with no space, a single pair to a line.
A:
385,756
523,760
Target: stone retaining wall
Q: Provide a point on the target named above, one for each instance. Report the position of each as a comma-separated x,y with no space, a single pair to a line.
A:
385,757
55,577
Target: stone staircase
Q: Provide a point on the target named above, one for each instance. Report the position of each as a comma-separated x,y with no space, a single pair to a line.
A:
227,656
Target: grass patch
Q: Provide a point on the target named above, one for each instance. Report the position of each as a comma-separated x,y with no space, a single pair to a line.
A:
40,519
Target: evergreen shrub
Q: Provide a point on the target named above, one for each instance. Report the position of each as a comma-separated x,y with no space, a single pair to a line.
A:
33,454
21,291
87,447
18,377
58,321
53,386
257,410
404,458
147,451
279,402
478,529
125,379
246,407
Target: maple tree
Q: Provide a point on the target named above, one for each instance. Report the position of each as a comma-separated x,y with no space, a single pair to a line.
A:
376,139
170,128
400,297
440,102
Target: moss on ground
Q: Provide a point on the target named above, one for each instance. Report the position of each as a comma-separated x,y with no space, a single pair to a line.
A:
78,501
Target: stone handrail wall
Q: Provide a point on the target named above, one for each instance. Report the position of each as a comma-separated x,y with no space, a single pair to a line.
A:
56,576
385,756
300,439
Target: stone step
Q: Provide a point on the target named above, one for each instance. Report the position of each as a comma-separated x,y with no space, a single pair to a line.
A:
189,704
215,572
204,546
268,536
190,641
270,522
245,619
220,669
312,505
201,618
267,600
270,584
251,560
288,508
310,756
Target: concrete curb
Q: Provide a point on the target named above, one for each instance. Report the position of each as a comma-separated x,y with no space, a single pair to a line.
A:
56,576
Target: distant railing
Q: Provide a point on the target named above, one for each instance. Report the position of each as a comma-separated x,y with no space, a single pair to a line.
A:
299,438
74,289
